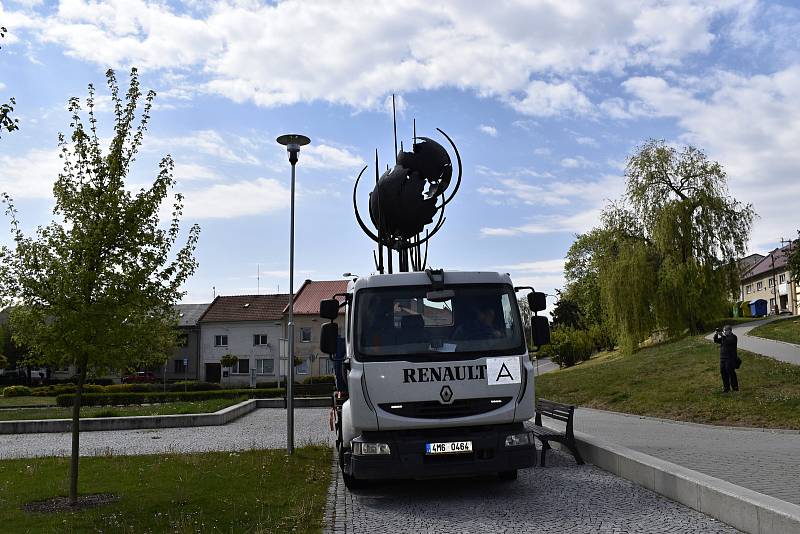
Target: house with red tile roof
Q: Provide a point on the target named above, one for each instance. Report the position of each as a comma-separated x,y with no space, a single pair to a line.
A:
248,326
308,324
769,279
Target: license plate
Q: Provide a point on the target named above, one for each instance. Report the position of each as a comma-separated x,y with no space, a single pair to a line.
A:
449,447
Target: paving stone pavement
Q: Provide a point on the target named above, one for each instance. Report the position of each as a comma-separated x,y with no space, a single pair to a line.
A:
260,429
761,460
562,497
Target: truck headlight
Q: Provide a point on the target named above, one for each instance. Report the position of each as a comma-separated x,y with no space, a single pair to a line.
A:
515,440
366,449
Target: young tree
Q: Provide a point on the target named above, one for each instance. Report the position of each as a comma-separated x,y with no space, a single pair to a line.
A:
96,287
229,360
7,122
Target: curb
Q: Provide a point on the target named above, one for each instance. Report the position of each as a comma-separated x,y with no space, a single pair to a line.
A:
96,424
742,508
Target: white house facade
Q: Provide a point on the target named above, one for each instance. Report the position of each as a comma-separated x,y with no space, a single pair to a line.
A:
249,327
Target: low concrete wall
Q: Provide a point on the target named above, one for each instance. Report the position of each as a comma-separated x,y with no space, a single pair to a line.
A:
742,508
222,417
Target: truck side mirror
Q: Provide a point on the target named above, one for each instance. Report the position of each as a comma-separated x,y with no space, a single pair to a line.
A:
328,337
329,309
541,330
537,301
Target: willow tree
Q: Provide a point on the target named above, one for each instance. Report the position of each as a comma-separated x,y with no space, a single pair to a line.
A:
96,287
669,261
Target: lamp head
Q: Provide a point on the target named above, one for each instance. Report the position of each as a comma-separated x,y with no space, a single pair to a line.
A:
293,142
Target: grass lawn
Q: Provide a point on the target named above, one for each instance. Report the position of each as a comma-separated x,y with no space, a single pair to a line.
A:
204,406
244,492
27,401
681,380
782,330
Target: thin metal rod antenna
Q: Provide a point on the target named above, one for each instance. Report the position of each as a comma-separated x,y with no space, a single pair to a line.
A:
380,219
394,123
415,132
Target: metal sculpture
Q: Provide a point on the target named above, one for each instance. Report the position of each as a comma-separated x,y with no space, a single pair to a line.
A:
407,198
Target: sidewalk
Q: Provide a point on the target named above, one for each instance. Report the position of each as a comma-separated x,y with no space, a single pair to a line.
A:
779,350
761,460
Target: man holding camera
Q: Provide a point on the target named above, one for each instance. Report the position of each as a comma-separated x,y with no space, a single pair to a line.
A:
728,358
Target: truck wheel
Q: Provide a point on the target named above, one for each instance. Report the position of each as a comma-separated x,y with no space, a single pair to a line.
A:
508,476
350,482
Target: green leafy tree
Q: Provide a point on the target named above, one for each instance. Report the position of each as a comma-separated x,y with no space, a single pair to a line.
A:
7,122
793,261
96,287
567,312
582,271
668,259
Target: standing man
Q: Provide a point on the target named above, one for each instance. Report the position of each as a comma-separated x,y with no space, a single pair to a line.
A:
728,358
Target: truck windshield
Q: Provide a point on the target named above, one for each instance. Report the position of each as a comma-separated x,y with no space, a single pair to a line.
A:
401,321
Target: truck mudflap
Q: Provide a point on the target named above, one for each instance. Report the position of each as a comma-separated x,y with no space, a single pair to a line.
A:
409,455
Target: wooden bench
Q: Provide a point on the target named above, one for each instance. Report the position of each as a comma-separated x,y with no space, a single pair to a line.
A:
559,412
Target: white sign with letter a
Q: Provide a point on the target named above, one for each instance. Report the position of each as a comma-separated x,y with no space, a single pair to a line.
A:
501,371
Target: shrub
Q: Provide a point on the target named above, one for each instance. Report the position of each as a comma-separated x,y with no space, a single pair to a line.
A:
602,338
193,385
120,399
16,391
322,379
570,346
262,385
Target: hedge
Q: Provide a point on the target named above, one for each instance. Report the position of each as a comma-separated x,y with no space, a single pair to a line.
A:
121,399
16,391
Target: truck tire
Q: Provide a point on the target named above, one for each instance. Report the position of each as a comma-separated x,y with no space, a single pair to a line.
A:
508,476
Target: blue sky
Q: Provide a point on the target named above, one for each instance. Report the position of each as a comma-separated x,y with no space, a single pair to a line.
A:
545,100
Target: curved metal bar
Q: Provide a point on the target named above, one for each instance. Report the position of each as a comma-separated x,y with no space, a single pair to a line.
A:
355,208
425,261
458,159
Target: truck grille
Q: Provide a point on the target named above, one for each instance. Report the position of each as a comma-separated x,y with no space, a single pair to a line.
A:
437,410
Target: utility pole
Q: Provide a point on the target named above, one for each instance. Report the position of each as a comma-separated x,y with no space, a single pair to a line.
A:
774,283
791,284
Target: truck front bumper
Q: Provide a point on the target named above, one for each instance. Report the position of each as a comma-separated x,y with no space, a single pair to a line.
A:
407,458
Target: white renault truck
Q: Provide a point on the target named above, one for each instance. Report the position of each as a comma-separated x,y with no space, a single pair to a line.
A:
436,378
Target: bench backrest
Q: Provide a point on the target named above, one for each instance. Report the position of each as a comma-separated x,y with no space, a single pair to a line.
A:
554,410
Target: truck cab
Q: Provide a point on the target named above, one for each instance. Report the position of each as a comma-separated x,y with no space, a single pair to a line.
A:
437,375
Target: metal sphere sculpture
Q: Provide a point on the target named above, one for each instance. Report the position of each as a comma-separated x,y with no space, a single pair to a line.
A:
406,199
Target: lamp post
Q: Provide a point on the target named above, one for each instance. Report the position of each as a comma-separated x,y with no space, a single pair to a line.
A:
292,142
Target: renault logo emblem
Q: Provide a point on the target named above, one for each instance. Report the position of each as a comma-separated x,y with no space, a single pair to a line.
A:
446,394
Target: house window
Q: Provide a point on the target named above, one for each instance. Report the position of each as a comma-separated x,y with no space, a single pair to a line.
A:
771,281
749,288
242,367
302,369
328,366
259,339
265,366
179,367
772,303
305,334
782,278
759,286
221,341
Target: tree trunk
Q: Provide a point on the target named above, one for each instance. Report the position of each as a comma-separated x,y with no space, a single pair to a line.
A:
76,421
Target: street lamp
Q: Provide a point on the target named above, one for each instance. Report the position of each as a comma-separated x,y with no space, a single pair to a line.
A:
292,142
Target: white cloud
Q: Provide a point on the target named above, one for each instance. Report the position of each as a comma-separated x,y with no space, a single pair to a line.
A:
239,199
208,142
751,125
542,151
30,175
238,49
192,172
578,162
544,99
539,266
488,130
586,140
2,86
324,156
548,224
